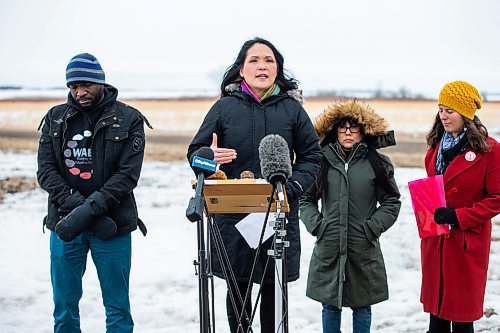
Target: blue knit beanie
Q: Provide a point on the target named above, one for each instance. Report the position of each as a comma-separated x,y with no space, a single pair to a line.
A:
84,68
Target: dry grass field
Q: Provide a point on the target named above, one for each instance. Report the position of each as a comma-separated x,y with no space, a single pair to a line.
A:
176,120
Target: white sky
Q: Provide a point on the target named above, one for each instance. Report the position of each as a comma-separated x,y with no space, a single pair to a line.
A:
350,44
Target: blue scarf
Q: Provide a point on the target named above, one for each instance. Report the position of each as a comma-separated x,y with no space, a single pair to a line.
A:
447,143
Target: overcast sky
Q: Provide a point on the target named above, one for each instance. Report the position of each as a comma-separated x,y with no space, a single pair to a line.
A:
349,44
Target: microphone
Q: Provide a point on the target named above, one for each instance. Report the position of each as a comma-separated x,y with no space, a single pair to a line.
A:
275,164
202,162
203,166
274,157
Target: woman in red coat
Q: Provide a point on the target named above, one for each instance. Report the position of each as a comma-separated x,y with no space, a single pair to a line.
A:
454,266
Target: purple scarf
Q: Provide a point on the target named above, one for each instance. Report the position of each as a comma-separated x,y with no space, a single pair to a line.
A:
271,91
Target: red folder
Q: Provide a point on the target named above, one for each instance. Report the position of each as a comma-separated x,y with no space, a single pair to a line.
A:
427,194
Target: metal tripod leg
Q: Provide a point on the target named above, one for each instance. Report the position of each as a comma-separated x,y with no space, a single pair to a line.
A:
280,302
203,280
279,254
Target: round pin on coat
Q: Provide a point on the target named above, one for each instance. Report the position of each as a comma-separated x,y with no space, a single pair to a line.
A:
470,156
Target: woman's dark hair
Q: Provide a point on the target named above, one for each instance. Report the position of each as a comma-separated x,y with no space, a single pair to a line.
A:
232,74
383,169
477,134
321,179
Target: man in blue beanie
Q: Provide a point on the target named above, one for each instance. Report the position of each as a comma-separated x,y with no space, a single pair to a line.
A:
89,160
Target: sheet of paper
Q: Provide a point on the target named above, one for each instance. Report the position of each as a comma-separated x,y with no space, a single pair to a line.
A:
251,227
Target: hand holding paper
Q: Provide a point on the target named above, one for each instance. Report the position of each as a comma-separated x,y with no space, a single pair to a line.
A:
443,215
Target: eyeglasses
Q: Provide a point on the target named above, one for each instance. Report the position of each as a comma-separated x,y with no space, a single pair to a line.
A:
352,128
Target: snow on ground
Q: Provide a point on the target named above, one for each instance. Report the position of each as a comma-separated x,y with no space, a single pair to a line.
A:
164,289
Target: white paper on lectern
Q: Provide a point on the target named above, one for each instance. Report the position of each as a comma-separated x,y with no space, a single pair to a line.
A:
251,227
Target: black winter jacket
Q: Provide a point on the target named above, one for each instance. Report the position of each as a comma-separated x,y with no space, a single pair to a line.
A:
241,122
118,151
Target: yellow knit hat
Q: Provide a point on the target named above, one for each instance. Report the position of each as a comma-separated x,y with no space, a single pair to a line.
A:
461,97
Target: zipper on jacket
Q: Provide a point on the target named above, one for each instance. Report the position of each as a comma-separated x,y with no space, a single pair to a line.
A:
65,127
96,128
351,156
97,124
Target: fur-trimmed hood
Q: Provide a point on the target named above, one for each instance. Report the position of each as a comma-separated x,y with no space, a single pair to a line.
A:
373,124
296,94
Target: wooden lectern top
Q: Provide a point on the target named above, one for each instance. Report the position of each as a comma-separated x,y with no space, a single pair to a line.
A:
239,196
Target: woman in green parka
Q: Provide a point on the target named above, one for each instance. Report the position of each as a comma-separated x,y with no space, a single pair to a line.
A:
359,201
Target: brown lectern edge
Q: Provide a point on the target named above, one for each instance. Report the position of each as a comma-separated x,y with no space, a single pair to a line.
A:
239,196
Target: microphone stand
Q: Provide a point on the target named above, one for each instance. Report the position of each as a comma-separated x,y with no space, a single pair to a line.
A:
280,273
194,213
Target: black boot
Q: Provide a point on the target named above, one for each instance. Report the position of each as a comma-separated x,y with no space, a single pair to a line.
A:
439,325
463,327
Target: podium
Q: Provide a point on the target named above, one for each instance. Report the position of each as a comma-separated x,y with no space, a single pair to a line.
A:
249,196
240,196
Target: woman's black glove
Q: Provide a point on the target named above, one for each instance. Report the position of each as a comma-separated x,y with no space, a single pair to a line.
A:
81,217
443,215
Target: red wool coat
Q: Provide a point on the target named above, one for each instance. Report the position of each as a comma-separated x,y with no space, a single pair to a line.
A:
454,266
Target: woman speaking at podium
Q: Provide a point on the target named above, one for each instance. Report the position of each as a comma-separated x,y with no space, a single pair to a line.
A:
258,99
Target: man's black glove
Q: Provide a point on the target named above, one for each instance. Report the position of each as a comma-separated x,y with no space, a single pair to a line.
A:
443,215
71,202
81,217
103,228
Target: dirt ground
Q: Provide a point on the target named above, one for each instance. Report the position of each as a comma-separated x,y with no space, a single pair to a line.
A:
16,184
175,122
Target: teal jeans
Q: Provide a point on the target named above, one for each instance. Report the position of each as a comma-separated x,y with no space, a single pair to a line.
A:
112,260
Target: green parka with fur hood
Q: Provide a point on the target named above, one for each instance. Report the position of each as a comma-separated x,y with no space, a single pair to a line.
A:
347,267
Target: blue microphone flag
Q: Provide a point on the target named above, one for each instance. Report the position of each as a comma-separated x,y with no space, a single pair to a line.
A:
204,164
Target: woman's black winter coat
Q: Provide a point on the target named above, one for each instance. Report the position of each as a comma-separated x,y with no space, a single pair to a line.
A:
240,123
